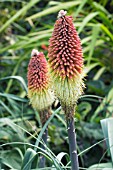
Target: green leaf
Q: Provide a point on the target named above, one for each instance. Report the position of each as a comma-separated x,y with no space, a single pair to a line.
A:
95,33
86,20
19,78
104,125
84,108
110,136
44,127
86,150
106,30
101,166
11,159
61,155
90,67
14,97
80,8
28,158
107,127
17,15
59,158
86,39
6,107
106,104
61,119
54,9
99,7
107,21
96,86
99,73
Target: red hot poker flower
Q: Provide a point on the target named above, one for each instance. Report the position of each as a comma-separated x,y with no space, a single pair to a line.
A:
65,51
39,91
66,67
66,60
37,72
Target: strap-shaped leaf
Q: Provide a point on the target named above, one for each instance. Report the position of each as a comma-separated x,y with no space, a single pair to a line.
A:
107,127
28,158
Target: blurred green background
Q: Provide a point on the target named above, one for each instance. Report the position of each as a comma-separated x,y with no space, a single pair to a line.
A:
25,25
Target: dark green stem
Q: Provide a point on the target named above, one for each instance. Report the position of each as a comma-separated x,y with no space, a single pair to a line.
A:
72,144
42,158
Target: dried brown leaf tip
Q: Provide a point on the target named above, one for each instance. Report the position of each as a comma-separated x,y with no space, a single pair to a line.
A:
66,60
39,91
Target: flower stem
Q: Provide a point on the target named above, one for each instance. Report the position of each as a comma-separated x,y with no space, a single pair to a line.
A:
42,158
72,144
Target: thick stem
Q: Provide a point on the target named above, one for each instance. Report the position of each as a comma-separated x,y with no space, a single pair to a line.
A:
72,144
42,158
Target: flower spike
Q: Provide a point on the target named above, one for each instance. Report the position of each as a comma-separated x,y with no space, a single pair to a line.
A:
66,61
39,92
66,68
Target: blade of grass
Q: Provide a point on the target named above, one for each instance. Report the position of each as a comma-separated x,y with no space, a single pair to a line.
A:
28,159
107,102
86,150
21,44
80,8
99,73
86,20
12,1
54,9
105,29
93,96
44,127
8,110
106,20
17,15
85,40
19,78
90,67
104,125
99,7
14,97
107,127
48,152
110,136
38,140
95,33
13,74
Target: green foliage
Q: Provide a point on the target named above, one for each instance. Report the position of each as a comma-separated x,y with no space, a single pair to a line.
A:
25,25
107,127
28,158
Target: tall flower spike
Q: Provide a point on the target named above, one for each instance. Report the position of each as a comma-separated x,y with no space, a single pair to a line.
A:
66,61
66,67
39,92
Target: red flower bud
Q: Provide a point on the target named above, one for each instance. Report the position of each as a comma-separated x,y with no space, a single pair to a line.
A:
39,91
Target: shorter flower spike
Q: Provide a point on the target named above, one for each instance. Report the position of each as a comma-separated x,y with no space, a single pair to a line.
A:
39,92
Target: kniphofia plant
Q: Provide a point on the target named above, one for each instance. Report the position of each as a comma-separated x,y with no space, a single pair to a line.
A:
66,68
